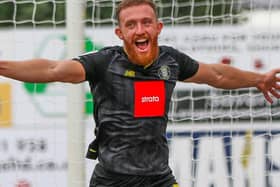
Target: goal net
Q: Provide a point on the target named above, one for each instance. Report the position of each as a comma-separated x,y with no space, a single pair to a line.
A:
217,138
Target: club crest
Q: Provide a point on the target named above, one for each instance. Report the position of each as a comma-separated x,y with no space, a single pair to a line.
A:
164,72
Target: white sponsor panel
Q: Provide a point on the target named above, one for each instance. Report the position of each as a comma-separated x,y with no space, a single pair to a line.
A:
212,156
32,156
37,157
7,42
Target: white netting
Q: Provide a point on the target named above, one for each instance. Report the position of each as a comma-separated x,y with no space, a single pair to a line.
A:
217,138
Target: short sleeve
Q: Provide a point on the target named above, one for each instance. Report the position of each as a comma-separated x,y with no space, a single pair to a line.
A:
187,66
87,61
95,63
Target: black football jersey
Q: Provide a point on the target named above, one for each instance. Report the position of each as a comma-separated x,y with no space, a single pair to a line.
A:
131,107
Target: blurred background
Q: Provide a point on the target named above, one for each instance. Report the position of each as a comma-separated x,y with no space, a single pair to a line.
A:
217,138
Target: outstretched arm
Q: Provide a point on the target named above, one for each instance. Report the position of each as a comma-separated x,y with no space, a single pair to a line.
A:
228,77
43,70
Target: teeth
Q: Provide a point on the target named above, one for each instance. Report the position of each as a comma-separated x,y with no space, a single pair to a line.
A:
141,40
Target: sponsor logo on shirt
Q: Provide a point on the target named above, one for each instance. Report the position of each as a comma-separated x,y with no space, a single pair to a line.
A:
129,73
149,98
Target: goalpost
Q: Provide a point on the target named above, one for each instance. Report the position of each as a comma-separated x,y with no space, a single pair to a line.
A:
219,138
75,103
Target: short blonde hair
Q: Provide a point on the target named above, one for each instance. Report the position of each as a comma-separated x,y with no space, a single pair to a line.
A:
128,3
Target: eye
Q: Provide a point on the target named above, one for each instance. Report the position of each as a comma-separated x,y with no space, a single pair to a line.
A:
147,22
130,25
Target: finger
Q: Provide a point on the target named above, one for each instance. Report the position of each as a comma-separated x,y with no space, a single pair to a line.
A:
277,70
274,93
267,97
277,86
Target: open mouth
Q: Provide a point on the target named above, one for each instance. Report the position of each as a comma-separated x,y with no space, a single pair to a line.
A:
142,44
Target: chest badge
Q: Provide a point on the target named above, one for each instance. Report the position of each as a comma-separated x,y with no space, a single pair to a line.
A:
164,72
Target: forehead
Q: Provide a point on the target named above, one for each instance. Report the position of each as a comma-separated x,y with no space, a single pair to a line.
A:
137,12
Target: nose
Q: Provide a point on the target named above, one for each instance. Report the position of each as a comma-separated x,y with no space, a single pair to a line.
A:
139,29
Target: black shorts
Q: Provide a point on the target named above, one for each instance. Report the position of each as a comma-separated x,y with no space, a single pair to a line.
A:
104,178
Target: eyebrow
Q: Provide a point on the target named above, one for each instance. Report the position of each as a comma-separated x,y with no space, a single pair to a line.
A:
133,19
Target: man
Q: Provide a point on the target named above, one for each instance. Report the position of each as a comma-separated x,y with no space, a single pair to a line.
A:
132,85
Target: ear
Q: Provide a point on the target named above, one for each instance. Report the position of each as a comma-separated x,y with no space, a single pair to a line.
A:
118,32
159,27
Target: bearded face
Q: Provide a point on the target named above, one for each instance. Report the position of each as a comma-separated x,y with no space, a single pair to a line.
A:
139,30
142,50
